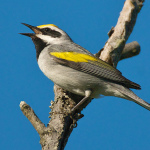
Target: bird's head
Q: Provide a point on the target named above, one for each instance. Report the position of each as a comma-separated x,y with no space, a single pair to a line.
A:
48,34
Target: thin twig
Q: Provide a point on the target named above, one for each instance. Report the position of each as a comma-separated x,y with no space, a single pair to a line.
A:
32,117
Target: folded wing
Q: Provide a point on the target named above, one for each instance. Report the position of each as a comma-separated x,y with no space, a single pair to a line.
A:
93,66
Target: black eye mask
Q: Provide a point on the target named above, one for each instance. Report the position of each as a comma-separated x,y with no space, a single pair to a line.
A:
52,33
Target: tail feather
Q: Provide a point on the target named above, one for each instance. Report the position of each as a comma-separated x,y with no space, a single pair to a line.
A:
133,97
142,103
129,95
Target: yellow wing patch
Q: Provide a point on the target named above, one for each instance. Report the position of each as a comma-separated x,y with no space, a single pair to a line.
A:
46,25
79,57
74,56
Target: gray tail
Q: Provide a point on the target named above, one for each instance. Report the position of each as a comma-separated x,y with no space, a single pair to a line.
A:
139,101
129,95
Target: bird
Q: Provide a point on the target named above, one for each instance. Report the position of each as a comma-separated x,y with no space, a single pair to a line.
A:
77,70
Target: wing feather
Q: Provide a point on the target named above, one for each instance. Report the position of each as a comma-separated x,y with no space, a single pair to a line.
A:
93,66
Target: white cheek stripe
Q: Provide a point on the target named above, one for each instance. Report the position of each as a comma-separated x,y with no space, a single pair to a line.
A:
49,39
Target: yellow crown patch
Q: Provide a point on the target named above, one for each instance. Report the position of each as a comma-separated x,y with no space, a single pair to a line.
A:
46,25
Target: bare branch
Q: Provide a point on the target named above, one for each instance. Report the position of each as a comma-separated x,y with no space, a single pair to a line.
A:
32,117
130,50
115,44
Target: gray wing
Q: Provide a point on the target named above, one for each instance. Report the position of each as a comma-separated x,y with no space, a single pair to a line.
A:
99,69
100,72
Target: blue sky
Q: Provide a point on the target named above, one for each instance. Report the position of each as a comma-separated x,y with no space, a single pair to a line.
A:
109,123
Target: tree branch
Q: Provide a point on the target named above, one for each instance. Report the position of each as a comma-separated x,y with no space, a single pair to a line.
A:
32,117
130,50
115,44
56,134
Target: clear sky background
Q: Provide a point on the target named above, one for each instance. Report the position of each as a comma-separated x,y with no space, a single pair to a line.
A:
109,123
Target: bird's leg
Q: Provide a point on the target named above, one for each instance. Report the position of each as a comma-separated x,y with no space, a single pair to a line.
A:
87,95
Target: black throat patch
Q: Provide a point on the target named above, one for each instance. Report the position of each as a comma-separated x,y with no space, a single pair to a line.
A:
39,45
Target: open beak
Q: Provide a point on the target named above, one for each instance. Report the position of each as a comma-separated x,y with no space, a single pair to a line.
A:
33,28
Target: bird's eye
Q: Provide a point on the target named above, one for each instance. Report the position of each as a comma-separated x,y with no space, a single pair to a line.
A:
47,29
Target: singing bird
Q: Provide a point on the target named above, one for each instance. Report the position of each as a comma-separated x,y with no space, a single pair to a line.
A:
77,70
